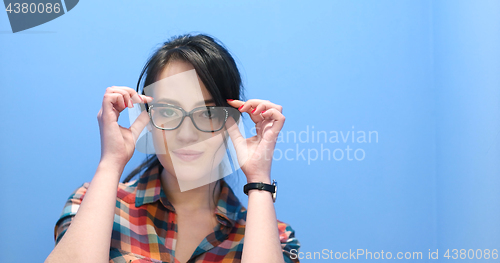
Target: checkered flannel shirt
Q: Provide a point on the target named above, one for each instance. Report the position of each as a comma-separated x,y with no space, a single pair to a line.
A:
145,226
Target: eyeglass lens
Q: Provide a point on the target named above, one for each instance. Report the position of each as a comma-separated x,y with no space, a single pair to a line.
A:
205,118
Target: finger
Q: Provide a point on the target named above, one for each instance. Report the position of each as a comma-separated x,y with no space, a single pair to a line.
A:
130,91
241,105
255,106
235,103
256,118
277,117
130,95
259,109
250,105
125,93
139,124
113,102
145,99
136,98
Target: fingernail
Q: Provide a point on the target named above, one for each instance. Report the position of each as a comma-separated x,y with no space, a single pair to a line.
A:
254,110
130,103
263,111
241,107
229,99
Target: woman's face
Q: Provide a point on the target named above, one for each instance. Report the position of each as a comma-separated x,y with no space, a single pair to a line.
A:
187,153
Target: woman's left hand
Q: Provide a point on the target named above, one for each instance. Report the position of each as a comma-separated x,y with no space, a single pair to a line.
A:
255,154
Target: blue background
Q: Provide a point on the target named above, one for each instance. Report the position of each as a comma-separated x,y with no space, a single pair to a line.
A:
425,75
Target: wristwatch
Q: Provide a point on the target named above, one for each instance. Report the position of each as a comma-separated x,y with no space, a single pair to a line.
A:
272,188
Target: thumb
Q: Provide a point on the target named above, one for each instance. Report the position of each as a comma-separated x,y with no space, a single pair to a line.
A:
234,131
139,124
239,142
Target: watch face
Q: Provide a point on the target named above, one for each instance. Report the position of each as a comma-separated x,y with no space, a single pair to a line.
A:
275,190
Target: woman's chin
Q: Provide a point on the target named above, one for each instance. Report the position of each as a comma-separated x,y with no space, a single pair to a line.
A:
192,173
190,177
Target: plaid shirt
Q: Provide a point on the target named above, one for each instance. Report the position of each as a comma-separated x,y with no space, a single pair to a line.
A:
145,226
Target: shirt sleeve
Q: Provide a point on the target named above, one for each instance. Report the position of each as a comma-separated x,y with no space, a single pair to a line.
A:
289,243
69,211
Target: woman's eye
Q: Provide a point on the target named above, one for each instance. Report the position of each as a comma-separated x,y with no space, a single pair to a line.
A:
213,113
168,113
208,114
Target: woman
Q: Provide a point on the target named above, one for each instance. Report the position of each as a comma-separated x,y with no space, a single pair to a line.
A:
163,216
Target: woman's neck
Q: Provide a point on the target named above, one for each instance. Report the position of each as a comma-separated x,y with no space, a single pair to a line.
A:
194,200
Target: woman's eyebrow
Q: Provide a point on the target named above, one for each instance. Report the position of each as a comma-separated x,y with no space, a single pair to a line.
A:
209,101
171,101
168,101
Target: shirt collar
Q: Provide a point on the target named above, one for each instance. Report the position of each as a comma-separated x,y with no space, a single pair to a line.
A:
149,190
228,206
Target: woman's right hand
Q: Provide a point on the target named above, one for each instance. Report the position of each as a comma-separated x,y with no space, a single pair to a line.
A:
117,142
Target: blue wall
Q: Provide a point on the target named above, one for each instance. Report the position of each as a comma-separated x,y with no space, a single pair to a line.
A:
422,76
467,80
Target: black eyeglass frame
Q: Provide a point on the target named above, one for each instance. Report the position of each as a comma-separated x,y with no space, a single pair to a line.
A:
186,114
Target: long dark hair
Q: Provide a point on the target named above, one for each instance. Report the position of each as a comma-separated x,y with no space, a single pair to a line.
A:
214,65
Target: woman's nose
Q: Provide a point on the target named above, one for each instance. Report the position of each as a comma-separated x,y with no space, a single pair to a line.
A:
187,132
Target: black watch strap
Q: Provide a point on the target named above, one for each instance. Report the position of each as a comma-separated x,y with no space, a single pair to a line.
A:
261,186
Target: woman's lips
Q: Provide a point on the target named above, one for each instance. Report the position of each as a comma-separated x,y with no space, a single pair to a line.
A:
187,155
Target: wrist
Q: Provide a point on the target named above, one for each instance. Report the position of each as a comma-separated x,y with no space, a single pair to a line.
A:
259,188
266,181
110,167
259,179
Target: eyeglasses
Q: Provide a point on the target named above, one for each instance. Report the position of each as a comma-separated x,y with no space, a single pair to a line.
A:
205,119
